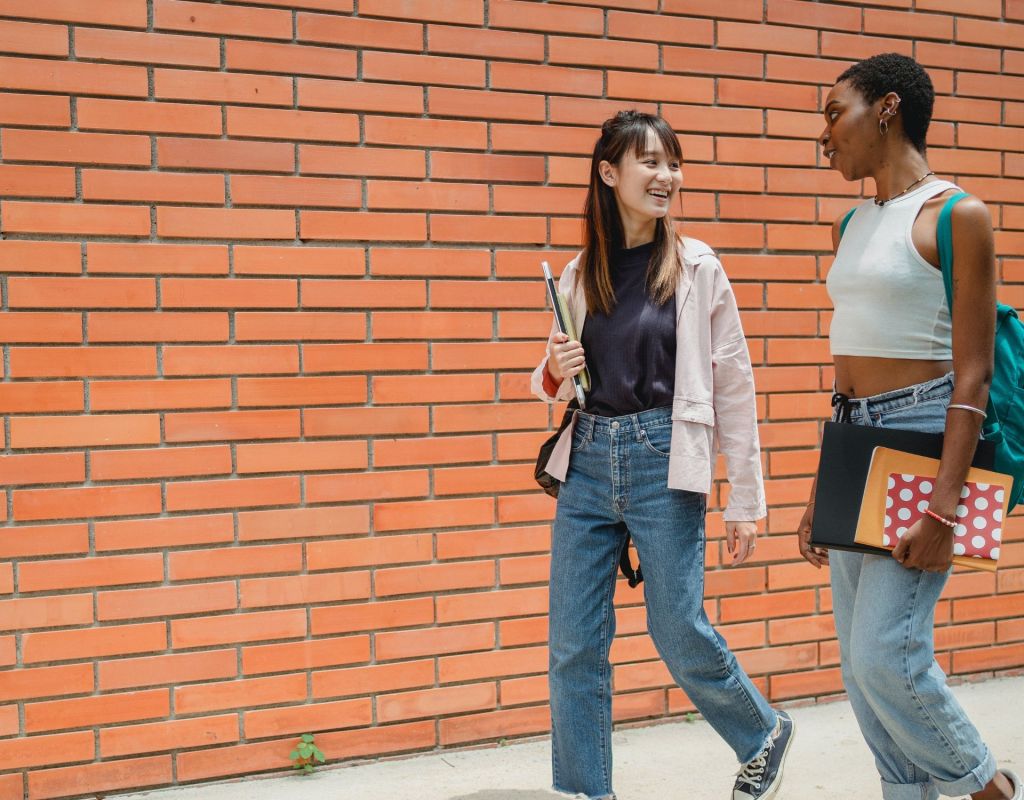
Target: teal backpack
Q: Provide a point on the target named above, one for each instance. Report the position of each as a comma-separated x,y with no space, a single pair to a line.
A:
1004,423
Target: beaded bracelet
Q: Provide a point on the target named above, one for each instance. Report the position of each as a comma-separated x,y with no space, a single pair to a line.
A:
947,522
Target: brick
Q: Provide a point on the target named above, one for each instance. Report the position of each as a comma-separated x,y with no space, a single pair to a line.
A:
299,125
175,669
103,777
507,662
778,38
496,724
554,18
343,421
434,641
34,109
146,48
95,571
295,191
313,654
159,326
410,68
85,431
98,710
373,679
154,395
361,161
290,59
93,642
74,219
346,487
150,187
230,360
433,702
375,616
485,43
176,462
229,425
157,258
222,87
28,256
305,589
39,751
815,15
360,96
301,457
304,260
225,154
126,740
76,148
359,31
108,501
45,540
361,226
706,61
461,12
240,693
236,628
228,293
32,39
72,77
230,20
26,181
299,326
225,561
81,293
46,612
166,601
41,397
302,523
434,578
313,717
526,77
232,493
121,13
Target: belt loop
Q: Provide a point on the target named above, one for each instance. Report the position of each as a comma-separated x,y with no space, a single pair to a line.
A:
864,414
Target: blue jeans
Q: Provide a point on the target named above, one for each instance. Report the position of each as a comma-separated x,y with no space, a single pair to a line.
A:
922,740
616,482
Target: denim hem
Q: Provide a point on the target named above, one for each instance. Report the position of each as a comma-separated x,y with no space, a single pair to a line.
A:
973,781
909,791
580,795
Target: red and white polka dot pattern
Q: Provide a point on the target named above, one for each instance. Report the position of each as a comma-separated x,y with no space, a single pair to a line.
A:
979,515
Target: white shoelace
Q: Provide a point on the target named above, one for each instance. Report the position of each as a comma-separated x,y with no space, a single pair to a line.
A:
753,771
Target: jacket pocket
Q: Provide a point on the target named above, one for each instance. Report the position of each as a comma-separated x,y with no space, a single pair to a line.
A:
693,424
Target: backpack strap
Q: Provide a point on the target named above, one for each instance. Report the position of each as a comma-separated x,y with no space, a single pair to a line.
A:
846,221
944,236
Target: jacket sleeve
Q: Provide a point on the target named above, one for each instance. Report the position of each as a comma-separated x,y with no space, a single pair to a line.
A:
565,390
735,406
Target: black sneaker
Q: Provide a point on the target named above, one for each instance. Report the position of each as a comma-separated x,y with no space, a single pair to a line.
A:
761,778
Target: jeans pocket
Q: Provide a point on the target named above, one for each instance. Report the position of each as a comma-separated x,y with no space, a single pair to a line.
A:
580,437
658,440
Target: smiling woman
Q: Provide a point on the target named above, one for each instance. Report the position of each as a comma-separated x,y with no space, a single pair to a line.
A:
669,368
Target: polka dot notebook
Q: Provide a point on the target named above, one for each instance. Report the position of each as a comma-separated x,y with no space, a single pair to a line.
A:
897,492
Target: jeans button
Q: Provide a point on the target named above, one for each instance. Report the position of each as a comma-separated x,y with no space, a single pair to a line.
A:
615,425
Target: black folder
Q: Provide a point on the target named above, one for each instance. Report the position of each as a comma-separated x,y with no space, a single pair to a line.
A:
846,451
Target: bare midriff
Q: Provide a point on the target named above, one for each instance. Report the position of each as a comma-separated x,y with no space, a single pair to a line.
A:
864,376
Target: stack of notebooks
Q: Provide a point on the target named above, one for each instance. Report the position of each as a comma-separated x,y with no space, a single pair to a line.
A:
874,483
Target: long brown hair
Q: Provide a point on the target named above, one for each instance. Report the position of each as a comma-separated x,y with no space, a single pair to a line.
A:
602,225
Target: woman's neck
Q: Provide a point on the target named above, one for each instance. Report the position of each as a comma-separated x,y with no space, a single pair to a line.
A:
895,174
637,232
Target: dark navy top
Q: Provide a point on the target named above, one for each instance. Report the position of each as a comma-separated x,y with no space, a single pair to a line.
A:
631,353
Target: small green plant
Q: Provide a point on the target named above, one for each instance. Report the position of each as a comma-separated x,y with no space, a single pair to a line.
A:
306,753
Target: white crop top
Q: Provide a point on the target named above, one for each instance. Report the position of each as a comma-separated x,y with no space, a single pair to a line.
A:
889,302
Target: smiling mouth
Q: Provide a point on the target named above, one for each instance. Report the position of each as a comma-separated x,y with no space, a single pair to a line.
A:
660,194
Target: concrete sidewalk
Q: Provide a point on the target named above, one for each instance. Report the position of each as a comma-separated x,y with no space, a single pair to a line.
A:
666,761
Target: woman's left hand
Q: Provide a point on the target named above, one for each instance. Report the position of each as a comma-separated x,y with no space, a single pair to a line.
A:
741,538
927,545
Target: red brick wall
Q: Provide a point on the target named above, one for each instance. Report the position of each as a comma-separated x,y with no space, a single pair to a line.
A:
270,300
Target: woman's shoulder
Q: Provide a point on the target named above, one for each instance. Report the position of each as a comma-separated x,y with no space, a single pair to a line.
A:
695,252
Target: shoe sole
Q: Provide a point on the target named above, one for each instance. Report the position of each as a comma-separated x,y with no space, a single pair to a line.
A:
773,789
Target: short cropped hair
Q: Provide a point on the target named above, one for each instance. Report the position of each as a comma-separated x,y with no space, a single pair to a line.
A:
875,77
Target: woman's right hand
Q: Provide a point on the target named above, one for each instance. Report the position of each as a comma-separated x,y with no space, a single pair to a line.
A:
815,555
565,358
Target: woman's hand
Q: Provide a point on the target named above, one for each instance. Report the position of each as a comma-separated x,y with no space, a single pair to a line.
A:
565,358
741,538
815,555
927,545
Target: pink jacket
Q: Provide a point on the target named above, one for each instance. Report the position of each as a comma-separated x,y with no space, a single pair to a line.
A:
713,408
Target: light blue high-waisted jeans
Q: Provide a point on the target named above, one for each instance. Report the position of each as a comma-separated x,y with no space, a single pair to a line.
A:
616,482
922,740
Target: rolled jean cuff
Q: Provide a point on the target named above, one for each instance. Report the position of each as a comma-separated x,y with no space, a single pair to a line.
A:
909,791
581,796
973,781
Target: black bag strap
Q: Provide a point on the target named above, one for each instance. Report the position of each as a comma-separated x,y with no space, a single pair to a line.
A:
633,576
